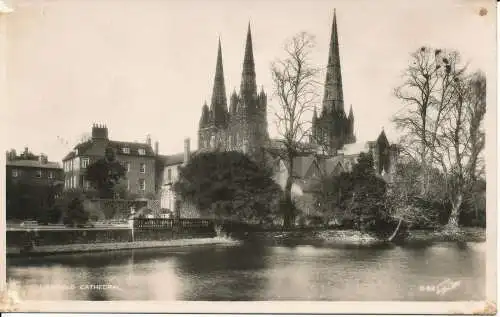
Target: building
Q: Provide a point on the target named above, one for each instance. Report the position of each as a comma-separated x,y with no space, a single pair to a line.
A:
242,127
139,160
29,168
332,129
169,174
32,184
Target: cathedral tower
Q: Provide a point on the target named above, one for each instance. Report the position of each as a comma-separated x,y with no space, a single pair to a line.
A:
214,121
242,127
333,128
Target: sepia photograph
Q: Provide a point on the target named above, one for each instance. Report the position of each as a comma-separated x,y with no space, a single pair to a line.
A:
258,156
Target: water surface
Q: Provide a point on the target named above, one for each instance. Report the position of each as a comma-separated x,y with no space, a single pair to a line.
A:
257,272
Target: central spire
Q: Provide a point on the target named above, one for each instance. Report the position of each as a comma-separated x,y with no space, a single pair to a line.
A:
333,98
248,85
218,106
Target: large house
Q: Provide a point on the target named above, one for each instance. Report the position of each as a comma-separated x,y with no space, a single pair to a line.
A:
139,160
33,182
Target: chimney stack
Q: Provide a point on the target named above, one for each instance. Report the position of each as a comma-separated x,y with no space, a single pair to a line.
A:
99,131
148,139
43,159
157,148
186,151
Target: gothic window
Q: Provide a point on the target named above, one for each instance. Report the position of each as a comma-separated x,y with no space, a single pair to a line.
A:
212,141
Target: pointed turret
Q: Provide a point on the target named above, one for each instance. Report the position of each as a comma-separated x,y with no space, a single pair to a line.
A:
233,104
248,87
218,106
333,98
205,115
351,114
382,138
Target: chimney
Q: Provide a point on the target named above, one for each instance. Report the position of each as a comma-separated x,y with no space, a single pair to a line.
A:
186,151
148,139
99,131
157,148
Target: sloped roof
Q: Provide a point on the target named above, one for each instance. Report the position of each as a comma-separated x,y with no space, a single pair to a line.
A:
97,148
33,163
174,159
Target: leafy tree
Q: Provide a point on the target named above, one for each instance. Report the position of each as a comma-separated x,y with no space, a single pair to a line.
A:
228,185
105,174
74,213
358,196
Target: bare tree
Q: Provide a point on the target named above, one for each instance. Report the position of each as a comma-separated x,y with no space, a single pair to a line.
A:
461,139
296,88
426,95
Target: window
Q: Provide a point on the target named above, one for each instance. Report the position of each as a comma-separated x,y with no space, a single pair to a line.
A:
38,174
126,150
127,166
51,174
142,168
75,182
15,173
169,175
85,162
142,152
128,184
142,184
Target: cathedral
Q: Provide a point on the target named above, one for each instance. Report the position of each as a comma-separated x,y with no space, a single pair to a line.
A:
239,122
242,126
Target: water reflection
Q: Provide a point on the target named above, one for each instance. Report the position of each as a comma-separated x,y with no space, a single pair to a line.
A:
256,272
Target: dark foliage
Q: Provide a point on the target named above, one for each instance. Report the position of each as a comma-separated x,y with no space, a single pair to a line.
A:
105,175
27,201
228,185
71,204
357,198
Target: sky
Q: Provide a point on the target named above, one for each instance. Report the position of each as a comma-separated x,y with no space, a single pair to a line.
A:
146,67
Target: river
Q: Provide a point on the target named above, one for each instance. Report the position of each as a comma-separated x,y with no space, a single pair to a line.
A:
252,272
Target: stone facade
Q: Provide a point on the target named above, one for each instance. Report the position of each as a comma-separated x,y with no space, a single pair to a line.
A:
242,127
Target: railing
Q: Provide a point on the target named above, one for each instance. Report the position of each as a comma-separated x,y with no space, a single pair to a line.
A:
162,223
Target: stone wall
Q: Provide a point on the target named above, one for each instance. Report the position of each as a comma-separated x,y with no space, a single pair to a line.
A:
66,236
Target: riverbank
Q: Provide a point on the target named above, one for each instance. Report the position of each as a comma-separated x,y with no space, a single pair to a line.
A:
357,238
101,247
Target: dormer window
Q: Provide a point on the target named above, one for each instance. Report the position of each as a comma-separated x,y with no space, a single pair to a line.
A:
126,150
142,152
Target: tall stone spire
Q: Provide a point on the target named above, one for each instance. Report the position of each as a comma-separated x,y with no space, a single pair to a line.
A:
218,107
333,98
248,86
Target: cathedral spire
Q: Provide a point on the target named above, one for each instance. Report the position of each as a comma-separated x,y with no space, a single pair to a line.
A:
333,98
218,105
248,85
